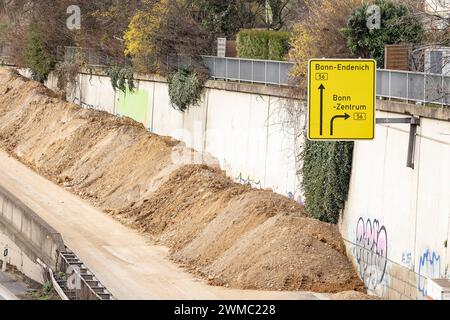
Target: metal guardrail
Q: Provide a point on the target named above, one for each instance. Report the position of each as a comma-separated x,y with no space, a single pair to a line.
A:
414,86
418,87
89,56
249,70
229,69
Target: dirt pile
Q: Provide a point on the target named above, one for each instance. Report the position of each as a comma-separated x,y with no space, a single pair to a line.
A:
228,233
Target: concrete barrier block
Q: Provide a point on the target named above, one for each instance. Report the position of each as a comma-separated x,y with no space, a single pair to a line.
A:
36,235
26,226
17,218
2,202
32,235
47,244
8,210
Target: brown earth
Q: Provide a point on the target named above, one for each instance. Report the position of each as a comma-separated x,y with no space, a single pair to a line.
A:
230,234
353,295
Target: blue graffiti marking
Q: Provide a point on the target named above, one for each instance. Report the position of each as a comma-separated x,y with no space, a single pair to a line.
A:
429,267
407,258
292,197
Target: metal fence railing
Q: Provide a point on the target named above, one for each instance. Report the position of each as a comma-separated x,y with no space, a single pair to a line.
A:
229,69
249,70
89,56
392,84
6,55
414,86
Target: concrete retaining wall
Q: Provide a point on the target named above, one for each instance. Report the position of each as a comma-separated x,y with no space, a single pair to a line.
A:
28,236
397,220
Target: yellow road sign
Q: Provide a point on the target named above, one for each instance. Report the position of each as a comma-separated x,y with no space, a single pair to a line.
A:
341,96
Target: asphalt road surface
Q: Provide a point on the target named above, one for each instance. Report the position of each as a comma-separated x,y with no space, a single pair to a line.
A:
121,258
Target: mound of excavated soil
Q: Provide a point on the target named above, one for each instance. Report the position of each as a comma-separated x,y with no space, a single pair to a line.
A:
228,233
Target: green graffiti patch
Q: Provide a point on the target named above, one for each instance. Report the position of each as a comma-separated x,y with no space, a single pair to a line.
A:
134,105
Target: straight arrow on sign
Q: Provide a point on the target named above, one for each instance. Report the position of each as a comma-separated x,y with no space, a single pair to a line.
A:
344,116
321,88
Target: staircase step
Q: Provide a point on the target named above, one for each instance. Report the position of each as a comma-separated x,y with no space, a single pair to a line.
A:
104,296
87,277
67,253
62,283
72,262
98,289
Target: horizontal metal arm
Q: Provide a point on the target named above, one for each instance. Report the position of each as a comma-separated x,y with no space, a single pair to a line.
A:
411,120
414,123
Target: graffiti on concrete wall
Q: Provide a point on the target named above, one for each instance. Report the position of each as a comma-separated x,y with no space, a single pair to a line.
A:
371,252
135,106
407,259
84,105
297,198
429,268
249,181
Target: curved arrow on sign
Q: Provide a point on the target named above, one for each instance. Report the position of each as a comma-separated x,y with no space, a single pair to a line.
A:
345,117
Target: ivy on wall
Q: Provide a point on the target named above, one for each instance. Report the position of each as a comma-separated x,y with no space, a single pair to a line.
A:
326,175
185,88
122,78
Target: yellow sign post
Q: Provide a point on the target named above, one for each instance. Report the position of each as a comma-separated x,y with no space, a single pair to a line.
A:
341,99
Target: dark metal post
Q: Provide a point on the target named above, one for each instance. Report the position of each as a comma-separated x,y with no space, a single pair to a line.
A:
414,123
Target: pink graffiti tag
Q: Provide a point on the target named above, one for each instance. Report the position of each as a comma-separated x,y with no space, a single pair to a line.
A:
371,251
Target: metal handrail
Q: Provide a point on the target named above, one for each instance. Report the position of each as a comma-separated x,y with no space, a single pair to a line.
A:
250,60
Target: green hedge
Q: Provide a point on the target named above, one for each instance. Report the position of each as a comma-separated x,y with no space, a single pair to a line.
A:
263,44
38,56
326,171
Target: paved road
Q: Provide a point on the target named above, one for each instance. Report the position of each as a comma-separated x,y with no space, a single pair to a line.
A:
121,258
11,287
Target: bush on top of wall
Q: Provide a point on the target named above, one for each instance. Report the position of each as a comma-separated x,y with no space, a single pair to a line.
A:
185,88
263,44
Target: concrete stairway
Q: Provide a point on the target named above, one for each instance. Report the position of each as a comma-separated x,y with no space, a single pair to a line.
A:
80,283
